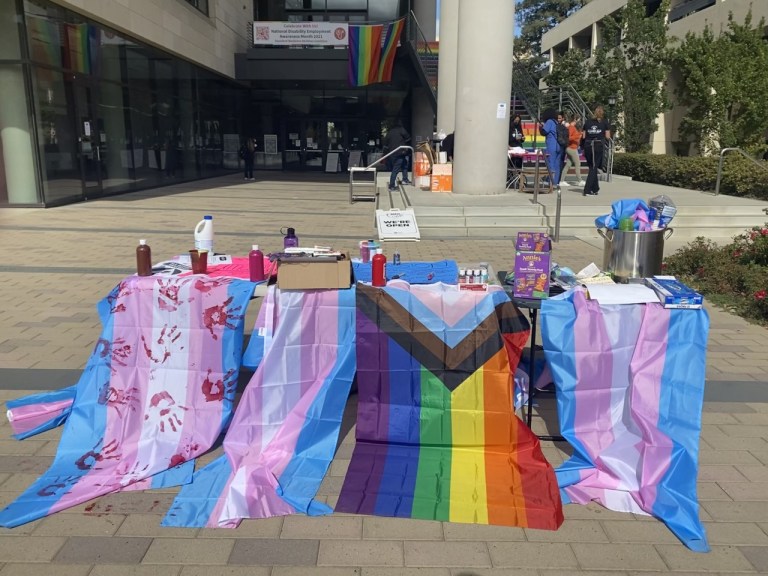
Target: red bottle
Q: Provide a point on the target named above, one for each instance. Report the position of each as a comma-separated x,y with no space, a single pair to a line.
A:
378,272
256,264
143,259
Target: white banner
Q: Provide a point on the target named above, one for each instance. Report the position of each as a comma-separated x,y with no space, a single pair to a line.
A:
397,224
300,33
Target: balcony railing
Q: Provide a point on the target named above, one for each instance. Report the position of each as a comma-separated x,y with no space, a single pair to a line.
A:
688,8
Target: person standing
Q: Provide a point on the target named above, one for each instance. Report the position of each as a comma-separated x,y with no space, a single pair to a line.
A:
572,151
516,139
248,154
596,133
553,149
397,136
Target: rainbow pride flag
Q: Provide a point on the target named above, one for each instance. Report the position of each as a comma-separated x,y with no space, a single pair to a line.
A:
283,436
156,392
364,54
389,49
630,392
437,437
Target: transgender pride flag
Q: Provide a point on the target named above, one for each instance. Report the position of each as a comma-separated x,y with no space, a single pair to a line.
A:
630,390
156,392
283,436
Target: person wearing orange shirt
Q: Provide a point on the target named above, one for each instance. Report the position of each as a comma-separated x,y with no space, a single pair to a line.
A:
572,159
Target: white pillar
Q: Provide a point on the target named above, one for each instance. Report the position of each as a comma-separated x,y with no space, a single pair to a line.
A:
446,72
18,157
483,91
426,15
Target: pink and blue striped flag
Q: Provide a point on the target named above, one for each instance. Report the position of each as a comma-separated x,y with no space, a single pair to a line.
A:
630,392
284,433
156,392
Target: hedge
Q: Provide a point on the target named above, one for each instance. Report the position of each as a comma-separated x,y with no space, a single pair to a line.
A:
741,177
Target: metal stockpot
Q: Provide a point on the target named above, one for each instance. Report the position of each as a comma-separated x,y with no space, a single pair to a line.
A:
631,254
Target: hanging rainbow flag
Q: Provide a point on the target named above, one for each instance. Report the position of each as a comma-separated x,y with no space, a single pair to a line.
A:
284,433
630,391
156,392
364,54
389,49
437,436
77,53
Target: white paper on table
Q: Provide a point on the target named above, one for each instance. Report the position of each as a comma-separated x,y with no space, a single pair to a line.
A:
589,271
607,294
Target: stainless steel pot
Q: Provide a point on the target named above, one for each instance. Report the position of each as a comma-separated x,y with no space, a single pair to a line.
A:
631,254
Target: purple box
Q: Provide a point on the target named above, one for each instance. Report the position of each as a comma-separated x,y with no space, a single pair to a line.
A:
532,270
533,242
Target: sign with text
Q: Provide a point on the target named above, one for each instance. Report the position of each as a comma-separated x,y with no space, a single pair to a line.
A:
300,33
397,224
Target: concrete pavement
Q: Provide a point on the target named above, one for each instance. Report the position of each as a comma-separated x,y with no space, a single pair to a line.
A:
58,263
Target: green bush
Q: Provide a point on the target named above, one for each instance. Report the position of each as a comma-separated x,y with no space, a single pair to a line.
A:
740,176
734,276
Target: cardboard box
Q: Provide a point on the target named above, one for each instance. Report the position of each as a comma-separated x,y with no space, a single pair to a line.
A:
442,178
533,265
674,294
303,275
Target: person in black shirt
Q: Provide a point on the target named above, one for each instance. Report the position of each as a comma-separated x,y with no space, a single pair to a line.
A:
516,139
596,132
447,146
397,136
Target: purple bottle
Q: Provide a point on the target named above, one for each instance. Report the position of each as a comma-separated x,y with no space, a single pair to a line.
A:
290,240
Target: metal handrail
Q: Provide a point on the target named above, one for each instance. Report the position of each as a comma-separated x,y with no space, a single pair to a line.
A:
610,146
388,154
722,159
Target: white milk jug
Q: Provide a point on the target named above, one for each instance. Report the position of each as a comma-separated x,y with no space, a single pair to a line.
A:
204,234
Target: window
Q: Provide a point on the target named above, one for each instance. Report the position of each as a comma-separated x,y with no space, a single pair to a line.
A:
201,5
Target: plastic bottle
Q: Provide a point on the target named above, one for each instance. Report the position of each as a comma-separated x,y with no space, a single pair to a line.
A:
396,258
143,259
204,234
290,240
365,252
256,264
379,269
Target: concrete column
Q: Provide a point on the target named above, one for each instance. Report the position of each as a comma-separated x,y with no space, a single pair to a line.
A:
426,15
446,72
18,158
483,83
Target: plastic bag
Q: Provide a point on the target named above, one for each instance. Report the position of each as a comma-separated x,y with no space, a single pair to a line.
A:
661,212
621,209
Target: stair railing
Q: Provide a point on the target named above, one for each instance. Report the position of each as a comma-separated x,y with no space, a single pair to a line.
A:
723,152
424,52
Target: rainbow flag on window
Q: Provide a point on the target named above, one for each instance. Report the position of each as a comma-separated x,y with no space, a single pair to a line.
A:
364,54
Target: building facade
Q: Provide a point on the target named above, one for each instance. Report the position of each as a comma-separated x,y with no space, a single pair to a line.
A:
102,97
583,31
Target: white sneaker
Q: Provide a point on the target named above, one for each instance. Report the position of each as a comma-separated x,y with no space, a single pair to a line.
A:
581,183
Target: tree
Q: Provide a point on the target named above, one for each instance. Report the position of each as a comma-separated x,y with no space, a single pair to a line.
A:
630,65
535,17
723,83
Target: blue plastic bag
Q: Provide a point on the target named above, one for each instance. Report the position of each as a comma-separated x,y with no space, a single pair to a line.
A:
620,209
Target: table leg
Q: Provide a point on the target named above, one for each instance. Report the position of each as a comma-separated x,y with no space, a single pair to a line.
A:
534,315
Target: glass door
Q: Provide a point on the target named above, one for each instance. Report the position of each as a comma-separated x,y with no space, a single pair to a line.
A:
305,144
88,129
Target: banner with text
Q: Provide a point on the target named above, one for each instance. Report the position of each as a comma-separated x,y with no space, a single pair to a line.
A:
300,33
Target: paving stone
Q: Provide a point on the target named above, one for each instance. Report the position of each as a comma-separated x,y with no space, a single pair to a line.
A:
495,572
720,559
76,525
754,473
741,491
45,570
733,457
226,571
102,550
592,511
30,549
360,553
14,447
30,464
570,531
757,556
131,503
249,528
188,551
123,570
745,430
736,534
736,511
711,491
618,557
149,525
23,530
266,552
725,473
639,533
583,573
532,555
381,528
379,571
339,466
313,571
323,527
451,554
